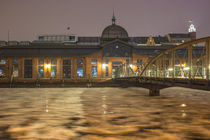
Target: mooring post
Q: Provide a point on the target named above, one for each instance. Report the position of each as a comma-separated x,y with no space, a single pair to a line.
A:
154,92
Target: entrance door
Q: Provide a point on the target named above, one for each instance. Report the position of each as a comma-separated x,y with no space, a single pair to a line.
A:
116,69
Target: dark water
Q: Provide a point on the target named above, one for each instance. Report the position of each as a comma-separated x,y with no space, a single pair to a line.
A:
104,114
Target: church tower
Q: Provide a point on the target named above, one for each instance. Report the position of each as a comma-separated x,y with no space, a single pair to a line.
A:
192,30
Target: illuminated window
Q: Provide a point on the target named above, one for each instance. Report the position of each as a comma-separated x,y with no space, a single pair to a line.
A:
2,61
41,68
53,68
94,71
15,67
2,71
107,68
67,68
79,68
94,61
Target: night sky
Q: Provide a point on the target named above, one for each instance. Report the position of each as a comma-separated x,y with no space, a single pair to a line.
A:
28,18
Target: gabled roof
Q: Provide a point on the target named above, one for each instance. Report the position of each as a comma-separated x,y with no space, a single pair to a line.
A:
116,41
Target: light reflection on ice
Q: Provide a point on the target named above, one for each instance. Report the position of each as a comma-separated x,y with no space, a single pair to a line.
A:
104,113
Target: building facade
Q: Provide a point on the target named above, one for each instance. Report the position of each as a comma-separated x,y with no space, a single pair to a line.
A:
112,54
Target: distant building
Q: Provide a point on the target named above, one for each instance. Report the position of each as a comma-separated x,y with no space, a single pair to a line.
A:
72,56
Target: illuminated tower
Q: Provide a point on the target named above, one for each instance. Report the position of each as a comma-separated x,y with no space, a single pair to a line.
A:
192,30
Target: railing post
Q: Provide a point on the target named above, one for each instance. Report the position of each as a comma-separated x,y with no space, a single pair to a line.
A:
190,61
157,64
164,65
207,59
173,60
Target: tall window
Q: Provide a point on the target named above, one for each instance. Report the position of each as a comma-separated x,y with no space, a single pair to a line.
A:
15,67
107,68
41,68
127,66
67,68
139,61
28,68
94,72
2,61
80,68
2,67
53,68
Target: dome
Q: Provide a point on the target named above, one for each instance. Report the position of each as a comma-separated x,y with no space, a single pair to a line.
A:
114,31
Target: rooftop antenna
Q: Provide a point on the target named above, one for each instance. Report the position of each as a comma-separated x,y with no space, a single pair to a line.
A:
113,17
8,35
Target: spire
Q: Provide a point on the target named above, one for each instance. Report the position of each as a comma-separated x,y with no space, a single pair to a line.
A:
113,18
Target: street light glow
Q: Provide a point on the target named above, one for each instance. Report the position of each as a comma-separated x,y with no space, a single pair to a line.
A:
186,68
104,66
47,66
170,69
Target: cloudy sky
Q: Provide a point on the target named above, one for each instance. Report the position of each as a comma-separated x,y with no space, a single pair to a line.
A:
25,19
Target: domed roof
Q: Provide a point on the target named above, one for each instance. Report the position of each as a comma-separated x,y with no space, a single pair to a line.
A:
114,31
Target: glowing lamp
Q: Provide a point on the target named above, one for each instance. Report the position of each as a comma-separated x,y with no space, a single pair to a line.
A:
170,69
47,66
186,68
183,105
104,66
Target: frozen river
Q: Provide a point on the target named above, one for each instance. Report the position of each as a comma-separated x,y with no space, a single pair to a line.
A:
104,114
